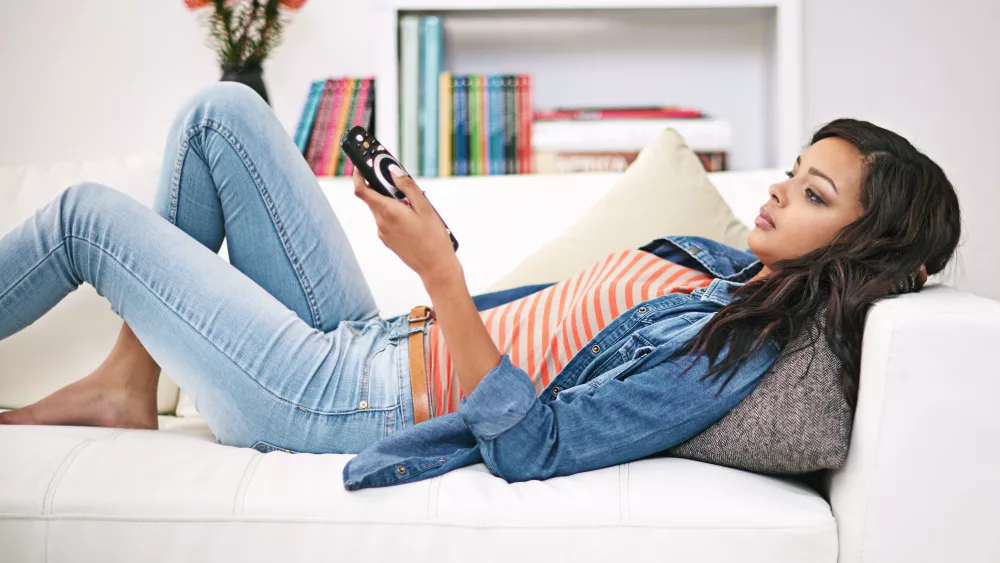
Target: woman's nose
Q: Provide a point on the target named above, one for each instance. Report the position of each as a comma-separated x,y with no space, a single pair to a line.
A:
776,192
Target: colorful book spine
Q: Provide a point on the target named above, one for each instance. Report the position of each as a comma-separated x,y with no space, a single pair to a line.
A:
484,125
409,91
323,157
308,115
445,113
524,113
497,155
350,85
323,116
368,117
475,95
460,142
509,126
430,69
357,118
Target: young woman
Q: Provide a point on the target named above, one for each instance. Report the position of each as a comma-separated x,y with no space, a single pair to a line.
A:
285,349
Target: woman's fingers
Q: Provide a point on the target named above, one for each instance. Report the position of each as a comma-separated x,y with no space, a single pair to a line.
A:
409,188
366,194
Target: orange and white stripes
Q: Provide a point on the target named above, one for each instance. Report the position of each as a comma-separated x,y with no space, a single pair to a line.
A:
542,331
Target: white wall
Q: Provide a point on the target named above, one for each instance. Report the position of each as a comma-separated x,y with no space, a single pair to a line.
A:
928,70
93,78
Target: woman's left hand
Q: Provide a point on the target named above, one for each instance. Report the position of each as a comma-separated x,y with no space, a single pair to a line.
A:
414,232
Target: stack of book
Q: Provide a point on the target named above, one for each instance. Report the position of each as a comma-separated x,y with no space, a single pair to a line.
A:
332,107
461,125
609,139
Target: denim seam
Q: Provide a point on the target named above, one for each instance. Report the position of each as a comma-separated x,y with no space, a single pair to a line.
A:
31,270
279,225
199,333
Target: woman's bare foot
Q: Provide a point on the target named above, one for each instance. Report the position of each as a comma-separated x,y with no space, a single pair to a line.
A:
91,401
120,393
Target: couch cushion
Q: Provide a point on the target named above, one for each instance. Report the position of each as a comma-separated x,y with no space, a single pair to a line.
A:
666,191
136,495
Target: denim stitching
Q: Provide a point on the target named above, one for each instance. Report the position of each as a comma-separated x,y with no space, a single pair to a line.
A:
199,333
175,181
32,269
279,225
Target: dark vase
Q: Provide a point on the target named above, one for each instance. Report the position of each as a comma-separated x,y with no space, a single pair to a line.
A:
250,74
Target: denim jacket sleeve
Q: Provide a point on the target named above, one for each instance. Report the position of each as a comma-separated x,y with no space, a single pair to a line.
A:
639,408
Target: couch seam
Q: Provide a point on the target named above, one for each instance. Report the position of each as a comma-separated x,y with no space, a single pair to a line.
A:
245,519
241,491
64,465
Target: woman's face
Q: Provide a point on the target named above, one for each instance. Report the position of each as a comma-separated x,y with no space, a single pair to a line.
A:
821,196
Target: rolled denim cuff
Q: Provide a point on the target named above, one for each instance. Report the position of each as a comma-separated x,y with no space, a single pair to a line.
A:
499,402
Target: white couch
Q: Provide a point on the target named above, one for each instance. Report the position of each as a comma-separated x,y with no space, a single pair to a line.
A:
919,485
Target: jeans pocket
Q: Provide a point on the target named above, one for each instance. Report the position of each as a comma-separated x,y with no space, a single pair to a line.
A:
264,448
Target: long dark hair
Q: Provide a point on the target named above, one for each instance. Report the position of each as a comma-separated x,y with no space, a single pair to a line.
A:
911,218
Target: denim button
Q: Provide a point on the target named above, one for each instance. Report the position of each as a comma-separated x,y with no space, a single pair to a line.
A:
363,405
642,309
401,470
556,390
595,348
441,459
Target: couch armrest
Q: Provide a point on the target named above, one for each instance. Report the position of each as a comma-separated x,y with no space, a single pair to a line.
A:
922,477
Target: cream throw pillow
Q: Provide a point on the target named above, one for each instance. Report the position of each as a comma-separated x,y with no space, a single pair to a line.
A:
666,191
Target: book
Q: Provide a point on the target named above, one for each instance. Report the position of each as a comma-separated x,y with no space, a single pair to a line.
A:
667,112
308,115
509,125
350,85
359,116
329,128
353,115
622,135
430,69
497,120
460,141
475,120
548,162
483,116
525,131
323,116
409,92
445,113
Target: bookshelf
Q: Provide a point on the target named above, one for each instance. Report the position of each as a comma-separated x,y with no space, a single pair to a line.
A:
739,60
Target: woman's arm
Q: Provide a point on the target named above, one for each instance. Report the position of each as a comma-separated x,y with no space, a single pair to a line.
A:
469,343
418,236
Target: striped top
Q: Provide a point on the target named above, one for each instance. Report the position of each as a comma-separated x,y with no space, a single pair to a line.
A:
542,331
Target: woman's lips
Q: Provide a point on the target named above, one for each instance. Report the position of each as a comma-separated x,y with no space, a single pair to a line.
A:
764,220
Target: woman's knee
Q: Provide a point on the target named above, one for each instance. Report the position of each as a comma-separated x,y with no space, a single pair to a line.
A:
88,203
220,101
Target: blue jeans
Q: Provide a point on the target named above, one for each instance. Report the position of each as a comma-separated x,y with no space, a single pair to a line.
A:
283,347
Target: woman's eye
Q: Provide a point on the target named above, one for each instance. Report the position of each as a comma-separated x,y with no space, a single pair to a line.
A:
812,197
789,173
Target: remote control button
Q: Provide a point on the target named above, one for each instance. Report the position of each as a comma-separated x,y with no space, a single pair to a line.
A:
360,137
370,162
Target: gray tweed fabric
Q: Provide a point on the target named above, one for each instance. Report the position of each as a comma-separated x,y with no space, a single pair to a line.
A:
796,420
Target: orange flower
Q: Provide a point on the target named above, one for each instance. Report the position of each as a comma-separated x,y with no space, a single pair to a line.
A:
292,4
195,4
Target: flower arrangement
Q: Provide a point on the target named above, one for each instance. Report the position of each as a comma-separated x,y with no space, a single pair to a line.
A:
244,32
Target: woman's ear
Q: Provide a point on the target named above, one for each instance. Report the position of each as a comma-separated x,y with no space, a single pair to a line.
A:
922,276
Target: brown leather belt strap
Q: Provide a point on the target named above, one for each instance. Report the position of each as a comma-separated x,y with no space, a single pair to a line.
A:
419,316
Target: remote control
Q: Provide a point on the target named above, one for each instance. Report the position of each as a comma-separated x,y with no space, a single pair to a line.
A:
374,163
